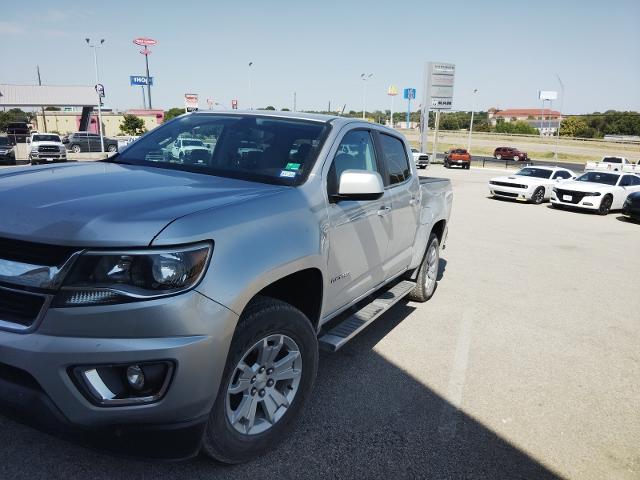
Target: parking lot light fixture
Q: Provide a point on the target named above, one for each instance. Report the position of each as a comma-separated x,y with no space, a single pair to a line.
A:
365,77
95,64
473,108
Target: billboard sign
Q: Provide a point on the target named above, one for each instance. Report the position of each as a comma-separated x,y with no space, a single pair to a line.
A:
547,95
191,102
409,93
440,78
392,91
137,80
145,42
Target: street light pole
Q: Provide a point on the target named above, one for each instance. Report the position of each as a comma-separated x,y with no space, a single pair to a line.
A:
555,153
365,77
95,64
250,94
473,108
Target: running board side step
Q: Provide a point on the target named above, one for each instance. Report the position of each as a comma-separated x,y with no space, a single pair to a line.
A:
351,326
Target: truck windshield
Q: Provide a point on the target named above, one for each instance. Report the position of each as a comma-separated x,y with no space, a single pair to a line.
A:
248,147
535,172
46,138
599,177
612,160
4,141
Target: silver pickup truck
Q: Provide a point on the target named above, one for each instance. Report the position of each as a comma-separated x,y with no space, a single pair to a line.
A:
180,304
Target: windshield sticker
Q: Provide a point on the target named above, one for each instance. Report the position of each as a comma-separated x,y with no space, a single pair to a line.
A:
292,166
285,173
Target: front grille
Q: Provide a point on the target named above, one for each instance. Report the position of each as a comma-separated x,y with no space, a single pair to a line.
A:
21,308
576,197
506,184
506,194
48,149
34,253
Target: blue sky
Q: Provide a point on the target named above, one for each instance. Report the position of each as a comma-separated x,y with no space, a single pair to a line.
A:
508,50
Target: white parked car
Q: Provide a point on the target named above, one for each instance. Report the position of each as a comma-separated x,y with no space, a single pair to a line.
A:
530,184
419,158
183,148
597,191
615,164
46,148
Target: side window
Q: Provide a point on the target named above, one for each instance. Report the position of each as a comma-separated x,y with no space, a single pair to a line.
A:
395,159
625,181
635,180
562,174
354,152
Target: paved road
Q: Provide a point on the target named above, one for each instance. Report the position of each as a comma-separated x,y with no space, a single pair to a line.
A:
525,365
481,160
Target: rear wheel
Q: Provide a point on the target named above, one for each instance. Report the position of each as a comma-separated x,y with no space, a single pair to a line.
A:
76,148
112,148
605,205
268,377
538,196
428,273
499,157
516,158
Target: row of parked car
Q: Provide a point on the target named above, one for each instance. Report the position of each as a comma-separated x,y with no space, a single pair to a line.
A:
601,189
50,147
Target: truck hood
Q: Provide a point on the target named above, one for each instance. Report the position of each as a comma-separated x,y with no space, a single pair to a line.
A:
106,204
52,144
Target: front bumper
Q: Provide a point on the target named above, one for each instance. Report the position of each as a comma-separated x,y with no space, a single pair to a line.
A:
48,157
190,330
521,194
587,203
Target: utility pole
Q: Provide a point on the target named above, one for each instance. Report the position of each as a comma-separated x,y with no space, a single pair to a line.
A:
473,109
435,136
44,118
294,102
146,61
95,64
555,153
250,95
365,77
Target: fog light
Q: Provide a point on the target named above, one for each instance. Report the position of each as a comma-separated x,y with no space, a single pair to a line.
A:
119,385
135,377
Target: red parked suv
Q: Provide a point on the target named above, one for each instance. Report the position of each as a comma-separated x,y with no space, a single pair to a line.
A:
509,153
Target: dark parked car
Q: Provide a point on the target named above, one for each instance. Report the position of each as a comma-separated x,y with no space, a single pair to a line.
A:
7,153
631,207
510,153
18,132
88,142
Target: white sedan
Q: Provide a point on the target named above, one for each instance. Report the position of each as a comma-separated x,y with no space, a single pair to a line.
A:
530,184
421,159
596,190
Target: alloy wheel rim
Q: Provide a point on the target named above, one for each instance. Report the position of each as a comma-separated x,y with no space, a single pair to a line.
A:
432,269
264,384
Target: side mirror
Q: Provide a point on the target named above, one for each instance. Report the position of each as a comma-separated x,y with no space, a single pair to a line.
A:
360,185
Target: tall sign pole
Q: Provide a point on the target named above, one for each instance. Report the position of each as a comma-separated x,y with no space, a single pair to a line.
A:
409,94
392,92
146,43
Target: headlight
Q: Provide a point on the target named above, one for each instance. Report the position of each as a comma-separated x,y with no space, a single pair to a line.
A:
592,194
108,277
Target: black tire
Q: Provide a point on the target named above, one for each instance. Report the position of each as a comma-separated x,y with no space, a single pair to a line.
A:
264,316
538,196
112,148
605,205
76,148
516,158
424,290
498,157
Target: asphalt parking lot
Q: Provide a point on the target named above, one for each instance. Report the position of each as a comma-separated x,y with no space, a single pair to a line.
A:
525,364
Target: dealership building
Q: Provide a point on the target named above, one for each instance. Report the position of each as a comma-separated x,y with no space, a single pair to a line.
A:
64,122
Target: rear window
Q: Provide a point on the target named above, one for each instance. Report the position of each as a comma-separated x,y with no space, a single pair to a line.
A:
612,160
460,151
395,159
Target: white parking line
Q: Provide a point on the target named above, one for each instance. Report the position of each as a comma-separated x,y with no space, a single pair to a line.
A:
450,416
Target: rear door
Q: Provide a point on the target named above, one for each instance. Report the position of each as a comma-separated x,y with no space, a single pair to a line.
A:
358,231
403,187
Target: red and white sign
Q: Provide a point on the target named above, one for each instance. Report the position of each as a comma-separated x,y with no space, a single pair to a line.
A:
234,104
191,102
145,42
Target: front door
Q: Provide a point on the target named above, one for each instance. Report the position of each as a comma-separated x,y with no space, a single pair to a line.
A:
358,231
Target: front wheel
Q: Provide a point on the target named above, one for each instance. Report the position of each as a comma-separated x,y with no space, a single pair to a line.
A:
76,148
428,273
605,205
516,158
112,148
538,196
270,371
498,157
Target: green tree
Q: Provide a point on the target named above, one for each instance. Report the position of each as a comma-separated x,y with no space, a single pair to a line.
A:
132,125
13,115
571,126
285,109
52,109
173,113
270,107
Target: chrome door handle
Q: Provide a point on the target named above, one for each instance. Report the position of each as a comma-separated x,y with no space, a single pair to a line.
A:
414,201
384,210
